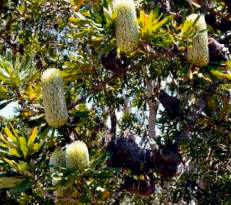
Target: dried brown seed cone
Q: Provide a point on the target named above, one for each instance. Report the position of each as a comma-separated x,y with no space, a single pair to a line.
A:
54,102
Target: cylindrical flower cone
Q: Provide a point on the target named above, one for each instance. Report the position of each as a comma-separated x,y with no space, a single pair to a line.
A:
127,29
198,52
77,156
57,159
54,102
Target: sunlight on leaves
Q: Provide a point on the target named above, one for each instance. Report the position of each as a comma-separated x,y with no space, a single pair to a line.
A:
220,75
33,92
151,23
32,136
19,146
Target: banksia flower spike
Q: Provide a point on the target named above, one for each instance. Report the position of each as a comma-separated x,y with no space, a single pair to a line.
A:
57,159
127,29
54,102
77,156
198,52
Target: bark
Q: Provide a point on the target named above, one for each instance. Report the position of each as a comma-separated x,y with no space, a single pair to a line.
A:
153,107
113,123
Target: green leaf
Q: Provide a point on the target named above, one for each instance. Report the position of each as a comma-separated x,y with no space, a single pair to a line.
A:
4,146
23,146
7,73
228,63
219,74
3,77
161,23
36,147
32,137
10,135
12,163
3,92
2,138
15,131
14,152
109,15
23,167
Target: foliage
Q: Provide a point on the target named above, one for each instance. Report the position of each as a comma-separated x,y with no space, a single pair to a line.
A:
110,94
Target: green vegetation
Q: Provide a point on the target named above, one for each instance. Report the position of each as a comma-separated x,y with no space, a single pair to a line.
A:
120,102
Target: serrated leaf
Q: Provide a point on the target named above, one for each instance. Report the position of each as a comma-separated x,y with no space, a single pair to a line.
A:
23,167
151,23
2,138
14,152
4,146
23,146
32,137
31,92
3,78
3,91
187,26
10,135
7,73
78,21
161,23
4,153
12,163
36,147
73,19
75,72
109,15
219,74
15,131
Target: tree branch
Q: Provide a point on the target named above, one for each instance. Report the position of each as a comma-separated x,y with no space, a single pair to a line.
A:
153,106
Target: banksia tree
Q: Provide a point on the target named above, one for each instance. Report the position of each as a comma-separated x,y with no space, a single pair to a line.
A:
77,156
127,30
53,98
197,52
